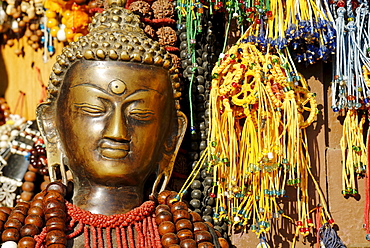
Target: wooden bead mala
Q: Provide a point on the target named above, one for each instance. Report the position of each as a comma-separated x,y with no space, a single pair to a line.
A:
180,227
37,166
49,220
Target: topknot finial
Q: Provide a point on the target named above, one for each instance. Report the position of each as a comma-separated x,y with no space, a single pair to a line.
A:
116,3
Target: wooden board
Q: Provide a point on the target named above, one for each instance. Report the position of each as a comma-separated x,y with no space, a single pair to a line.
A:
19,73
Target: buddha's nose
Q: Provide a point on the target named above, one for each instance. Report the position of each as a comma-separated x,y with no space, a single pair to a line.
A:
116,128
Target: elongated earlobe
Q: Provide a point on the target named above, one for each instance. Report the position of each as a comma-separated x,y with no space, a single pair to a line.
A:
169,156
46,122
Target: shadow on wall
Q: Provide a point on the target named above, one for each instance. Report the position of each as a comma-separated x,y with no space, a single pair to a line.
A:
3,76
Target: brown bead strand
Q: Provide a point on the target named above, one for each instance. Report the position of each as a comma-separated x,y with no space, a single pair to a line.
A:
4,111
55,215
179,227
33,222
4,214
38,165
14,223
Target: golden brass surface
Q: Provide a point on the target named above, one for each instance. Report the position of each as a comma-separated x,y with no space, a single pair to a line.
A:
112,115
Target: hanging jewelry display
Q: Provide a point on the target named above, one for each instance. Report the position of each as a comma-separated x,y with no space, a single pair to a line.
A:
350,92
197,76
37,166
15,168
259,109
160,23
350,88
43,23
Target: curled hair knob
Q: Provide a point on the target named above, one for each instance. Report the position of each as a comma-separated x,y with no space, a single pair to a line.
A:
117,3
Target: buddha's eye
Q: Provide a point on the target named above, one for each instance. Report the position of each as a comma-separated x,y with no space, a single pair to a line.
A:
141,115
89,109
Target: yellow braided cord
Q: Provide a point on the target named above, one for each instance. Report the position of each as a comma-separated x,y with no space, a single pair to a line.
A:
257,145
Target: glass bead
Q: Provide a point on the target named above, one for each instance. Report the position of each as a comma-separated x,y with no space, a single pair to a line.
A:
9,244
358,105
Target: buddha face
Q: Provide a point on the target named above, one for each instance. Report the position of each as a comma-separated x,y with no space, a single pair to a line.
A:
114,119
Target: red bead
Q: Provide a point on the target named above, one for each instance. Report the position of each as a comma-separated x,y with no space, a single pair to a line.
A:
331,221
39,142
299,223
309,221
269,13
234,84
242,66
340,4
258,21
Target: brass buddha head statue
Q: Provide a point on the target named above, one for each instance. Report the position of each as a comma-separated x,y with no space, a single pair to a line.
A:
112,113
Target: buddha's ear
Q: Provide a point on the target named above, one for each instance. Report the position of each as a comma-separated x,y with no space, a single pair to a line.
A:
171,149
46,122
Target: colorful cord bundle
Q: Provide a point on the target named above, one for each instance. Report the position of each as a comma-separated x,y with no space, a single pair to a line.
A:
257,139
350,87
307,27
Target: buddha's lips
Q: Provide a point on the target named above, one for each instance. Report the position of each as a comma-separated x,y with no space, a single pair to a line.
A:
114,149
